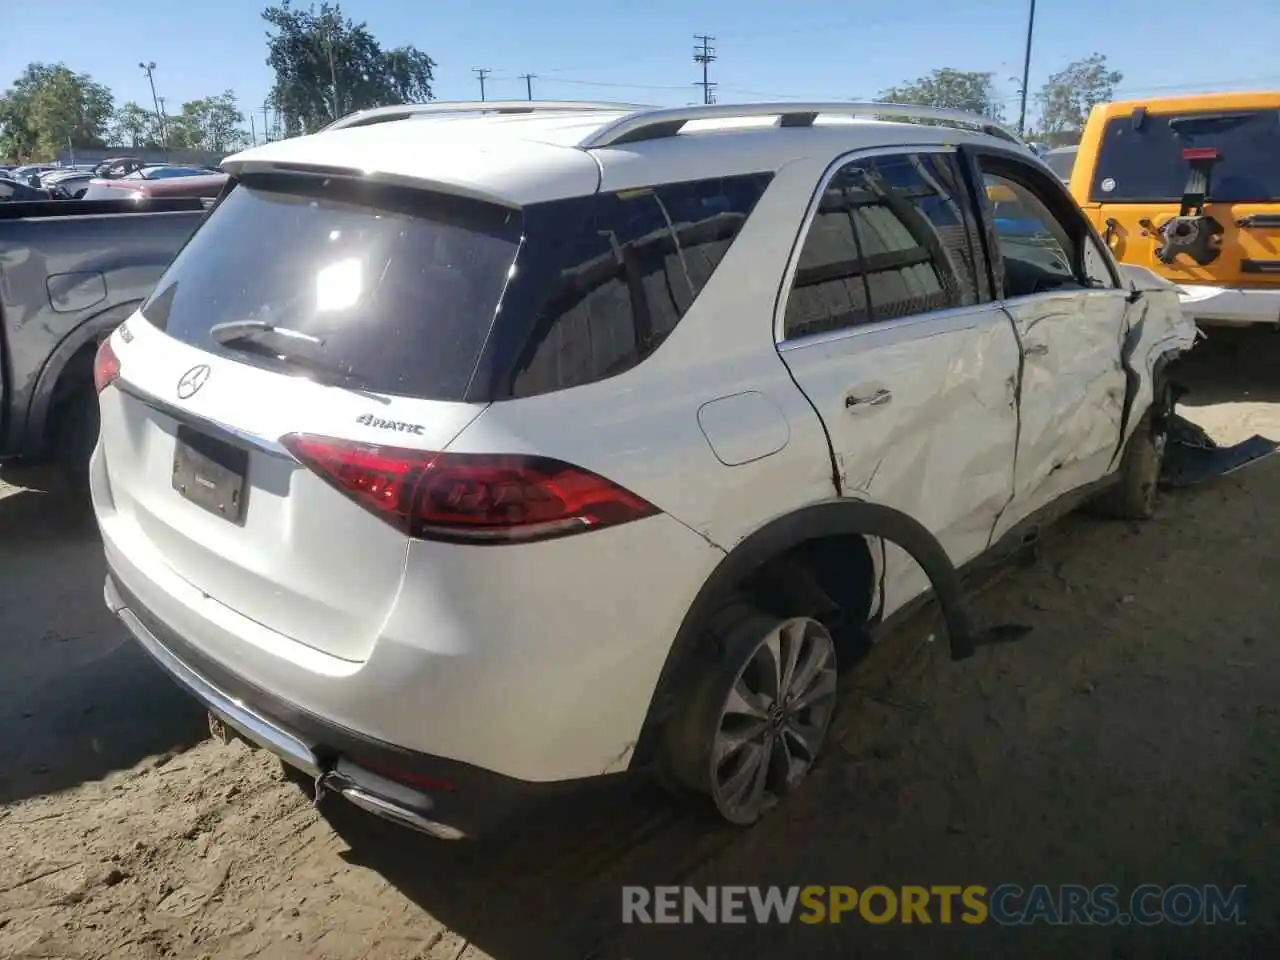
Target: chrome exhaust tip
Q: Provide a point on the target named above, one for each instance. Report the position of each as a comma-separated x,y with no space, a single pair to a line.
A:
387,799
387,810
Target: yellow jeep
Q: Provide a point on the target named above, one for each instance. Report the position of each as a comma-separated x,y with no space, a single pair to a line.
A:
1190,187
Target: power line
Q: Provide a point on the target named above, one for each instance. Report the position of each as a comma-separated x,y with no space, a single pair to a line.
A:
528,79
1123,92
770,94
859,23
481,73
705,54
618,86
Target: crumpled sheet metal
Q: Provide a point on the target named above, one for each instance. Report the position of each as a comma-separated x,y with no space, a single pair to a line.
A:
1192,457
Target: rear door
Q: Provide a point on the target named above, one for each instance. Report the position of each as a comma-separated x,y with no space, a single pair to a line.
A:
380,301
1070,313
890,329
1142,170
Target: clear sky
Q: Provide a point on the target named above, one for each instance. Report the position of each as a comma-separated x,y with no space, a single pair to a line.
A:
643,52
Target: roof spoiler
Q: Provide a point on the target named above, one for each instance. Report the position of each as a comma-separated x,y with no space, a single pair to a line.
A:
242,168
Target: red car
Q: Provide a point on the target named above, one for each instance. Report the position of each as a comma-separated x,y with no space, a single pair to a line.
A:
204,186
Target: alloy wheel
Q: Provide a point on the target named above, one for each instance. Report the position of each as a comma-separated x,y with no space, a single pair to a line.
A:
774,720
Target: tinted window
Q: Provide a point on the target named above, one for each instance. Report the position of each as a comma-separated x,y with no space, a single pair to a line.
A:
829,291
1034,246
890,239
1146,164
401,285
628,274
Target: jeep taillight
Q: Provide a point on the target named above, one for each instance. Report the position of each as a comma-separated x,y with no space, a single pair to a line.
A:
106,366
467,497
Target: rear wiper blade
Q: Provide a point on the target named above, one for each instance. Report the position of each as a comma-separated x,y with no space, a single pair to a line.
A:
233,330
325,371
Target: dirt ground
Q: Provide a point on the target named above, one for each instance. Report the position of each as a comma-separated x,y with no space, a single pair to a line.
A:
1133,737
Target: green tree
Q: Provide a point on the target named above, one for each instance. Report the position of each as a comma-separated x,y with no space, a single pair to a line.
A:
48,107
134,127
967,90
211,123
327,66
1068,96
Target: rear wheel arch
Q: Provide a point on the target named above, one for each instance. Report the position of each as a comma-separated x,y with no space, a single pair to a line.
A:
827,545
67,372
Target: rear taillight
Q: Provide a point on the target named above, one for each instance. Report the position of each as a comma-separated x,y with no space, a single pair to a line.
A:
106,366
465,497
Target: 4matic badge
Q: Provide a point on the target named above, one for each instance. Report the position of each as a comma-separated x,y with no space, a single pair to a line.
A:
369,420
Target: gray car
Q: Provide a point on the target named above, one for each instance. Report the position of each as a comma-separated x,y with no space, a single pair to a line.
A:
1061,160
69,186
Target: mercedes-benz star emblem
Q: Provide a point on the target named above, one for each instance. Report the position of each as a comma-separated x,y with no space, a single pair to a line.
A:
192,381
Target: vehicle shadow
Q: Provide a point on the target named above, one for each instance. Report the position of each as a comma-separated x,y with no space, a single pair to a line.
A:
549,885
78,699
1232,365
1045,762
552,885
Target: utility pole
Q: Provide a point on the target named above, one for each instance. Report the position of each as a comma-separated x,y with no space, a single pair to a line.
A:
148,68
164,116
705,54
266,122
481,73
253,129
1026,69
528,82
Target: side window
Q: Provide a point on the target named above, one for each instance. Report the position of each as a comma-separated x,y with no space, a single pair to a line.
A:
1035,248
635,268
829,291
889,240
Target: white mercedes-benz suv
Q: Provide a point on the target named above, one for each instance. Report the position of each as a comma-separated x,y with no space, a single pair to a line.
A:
467,451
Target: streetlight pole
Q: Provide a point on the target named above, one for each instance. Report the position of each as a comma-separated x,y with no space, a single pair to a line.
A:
148,69
1026,69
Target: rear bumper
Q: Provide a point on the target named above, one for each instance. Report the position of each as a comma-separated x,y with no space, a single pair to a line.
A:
1230,306
536,663
444,798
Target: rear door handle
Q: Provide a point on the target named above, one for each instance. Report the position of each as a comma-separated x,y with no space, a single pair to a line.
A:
879,398
1036,350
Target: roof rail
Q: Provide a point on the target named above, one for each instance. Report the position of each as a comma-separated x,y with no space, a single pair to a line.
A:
666,122
405,111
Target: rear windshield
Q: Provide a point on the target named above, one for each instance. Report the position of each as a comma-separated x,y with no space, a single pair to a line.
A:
1145,165
394,289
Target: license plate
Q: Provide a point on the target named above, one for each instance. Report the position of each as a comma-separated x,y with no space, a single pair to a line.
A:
211,473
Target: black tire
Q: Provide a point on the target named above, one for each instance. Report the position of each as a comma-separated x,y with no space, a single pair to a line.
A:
76,437
1136,492
692,762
